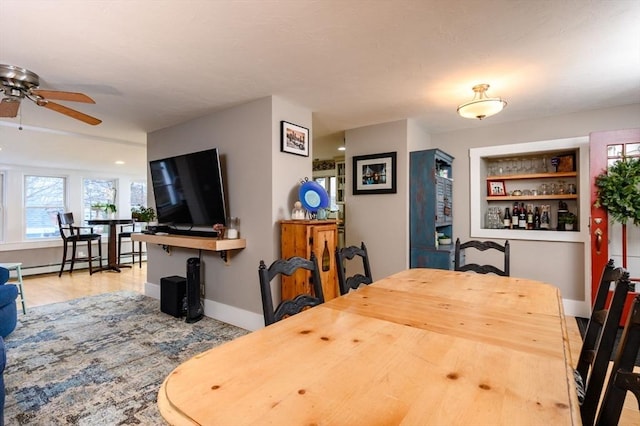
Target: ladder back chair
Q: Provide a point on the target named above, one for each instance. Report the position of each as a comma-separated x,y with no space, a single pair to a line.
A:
481,246
293,306
610,274
622,377
73,235
125,234
603,350
354,281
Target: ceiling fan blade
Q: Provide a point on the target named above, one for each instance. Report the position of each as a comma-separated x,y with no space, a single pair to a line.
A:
70,112
9,107
63,96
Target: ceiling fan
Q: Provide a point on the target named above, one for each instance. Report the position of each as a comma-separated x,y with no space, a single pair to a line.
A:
17,83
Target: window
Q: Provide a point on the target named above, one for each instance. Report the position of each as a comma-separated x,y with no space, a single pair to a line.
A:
97,194
44,197
138,194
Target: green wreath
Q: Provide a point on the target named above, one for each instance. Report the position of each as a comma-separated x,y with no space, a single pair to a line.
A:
619,191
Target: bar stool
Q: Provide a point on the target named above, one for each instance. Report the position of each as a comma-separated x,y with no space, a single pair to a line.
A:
17,266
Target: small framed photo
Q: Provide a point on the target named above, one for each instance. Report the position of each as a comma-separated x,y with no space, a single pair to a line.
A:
374,174
496,188
295,139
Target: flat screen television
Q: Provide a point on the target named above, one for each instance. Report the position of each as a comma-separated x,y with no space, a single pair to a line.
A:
188,189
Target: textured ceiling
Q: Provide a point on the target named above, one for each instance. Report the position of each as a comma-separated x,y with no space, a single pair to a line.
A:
152,64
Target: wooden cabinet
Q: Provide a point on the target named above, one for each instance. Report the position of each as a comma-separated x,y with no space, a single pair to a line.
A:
300,238
430,209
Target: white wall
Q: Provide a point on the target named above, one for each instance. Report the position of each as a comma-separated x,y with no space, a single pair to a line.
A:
261,185
382,221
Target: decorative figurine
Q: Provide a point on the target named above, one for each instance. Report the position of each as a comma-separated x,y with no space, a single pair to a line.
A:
298,212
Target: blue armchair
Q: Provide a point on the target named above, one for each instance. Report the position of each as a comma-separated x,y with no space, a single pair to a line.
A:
3,362
8,309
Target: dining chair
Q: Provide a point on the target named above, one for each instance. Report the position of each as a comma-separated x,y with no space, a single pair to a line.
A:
622,378
603,350
610,274
124,233
293,306
73,235
354,281
460,248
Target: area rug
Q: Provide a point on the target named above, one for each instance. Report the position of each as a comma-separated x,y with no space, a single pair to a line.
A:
99,360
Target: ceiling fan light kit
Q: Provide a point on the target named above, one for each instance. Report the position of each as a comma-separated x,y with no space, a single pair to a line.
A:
18,83
481,106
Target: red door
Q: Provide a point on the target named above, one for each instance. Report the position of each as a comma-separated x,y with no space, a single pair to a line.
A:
606,148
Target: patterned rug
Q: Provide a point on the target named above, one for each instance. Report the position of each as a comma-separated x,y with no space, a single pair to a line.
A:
99,360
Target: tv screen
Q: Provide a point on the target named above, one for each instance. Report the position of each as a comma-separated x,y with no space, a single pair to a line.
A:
188,189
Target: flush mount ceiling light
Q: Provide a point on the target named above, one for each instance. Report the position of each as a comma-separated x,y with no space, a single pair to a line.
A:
481,106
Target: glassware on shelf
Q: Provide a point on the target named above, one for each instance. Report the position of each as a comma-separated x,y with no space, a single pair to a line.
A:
494,218
571,188
561,187
544,189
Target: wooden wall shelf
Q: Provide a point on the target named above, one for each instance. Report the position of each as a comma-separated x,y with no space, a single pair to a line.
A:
198,243
553,175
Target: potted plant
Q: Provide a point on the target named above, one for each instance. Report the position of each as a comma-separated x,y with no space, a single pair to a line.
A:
619,191
568,220
143,214
444,239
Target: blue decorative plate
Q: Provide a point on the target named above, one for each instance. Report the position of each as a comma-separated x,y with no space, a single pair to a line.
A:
313,196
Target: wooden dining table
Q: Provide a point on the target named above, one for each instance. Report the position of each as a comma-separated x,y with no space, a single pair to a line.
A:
420,347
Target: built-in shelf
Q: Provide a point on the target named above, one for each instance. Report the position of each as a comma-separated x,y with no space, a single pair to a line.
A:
532,197
534,176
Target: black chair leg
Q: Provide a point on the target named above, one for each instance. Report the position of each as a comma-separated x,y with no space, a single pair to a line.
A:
64,259
100,253
73,256
90,258
140,253
119,247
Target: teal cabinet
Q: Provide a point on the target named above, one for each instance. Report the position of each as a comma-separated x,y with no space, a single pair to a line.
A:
430,208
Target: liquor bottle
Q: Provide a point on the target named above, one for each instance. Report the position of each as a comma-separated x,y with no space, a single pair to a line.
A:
514,216
529,216
506,218
545,220
522,217
536,219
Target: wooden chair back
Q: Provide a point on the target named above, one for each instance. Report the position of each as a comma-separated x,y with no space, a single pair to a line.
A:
610,274
481,246
622,377
296,305
354,281
603,350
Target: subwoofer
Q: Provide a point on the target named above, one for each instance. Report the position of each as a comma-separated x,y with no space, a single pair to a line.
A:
172,294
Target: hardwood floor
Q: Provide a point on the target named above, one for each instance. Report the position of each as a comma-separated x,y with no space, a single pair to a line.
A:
48,288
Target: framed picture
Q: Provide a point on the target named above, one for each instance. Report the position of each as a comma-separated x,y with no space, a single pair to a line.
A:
374,174
566,163
496,188
295,139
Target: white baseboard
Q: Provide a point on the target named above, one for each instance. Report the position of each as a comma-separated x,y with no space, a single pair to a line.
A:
220,311
576,308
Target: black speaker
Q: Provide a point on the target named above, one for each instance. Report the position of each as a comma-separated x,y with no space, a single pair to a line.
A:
172,293
195,310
